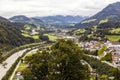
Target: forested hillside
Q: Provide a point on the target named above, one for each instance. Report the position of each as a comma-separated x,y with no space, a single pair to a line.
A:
11,37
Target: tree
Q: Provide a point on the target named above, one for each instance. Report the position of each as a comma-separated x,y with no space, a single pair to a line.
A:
61,63
67,56
119,40
101,51
28,75
107,57
38,64
1,58
44,38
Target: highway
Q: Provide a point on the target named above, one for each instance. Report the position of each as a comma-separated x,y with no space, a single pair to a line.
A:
30,52
10,61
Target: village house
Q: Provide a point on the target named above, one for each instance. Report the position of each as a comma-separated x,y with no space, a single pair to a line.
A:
115,48
72,38
92,45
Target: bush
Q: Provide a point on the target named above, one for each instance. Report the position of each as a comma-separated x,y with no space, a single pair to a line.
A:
102,68
108,57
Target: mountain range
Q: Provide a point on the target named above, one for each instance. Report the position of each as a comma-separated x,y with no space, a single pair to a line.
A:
60,19
48,20
108,17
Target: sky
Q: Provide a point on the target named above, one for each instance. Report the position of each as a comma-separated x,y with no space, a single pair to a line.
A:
30,8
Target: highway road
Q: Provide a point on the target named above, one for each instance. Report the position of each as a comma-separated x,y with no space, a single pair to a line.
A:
30,52
10,61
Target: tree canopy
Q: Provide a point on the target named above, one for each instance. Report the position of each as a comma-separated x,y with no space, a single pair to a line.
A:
61,63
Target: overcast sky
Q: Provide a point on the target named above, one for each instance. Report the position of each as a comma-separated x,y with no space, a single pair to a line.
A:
31,8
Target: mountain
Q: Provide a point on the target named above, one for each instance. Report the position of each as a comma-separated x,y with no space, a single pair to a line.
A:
11,37
110,14
24,19
61,20
3,19
20,18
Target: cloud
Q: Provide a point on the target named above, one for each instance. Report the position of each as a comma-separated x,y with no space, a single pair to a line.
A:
30,8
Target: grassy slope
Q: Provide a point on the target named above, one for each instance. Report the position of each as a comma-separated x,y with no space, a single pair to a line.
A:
88,21
79,31
26,33
113,37
103,21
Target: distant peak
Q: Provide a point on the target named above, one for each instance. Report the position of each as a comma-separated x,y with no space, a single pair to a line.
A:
20,16
115,4
17,17
3,19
